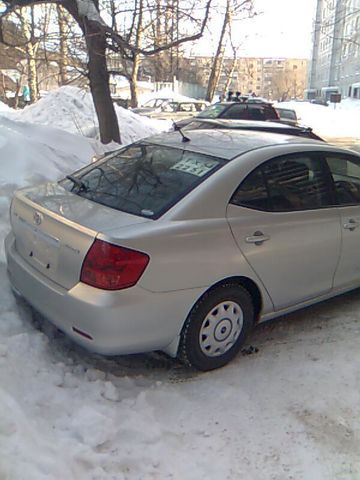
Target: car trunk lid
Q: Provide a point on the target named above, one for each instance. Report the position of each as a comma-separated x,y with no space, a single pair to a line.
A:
54,229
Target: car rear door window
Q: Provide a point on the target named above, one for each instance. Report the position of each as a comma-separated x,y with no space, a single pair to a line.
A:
297,182
286,183
345,172
252,193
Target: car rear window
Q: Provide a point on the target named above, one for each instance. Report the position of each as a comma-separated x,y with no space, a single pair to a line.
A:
290,114
213,111
142,179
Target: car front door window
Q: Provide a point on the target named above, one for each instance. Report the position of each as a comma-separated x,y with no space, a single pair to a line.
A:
346,175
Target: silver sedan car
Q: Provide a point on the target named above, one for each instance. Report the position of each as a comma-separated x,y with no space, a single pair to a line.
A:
183,243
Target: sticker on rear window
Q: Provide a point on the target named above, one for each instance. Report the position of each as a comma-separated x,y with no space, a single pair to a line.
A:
194,166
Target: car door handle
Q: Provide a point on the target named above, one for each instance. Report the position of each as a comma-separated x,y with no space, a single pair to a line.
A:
258,238
351,225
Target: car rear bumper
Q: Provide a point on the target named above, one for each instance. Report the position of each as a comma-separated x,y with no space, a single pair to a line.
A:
133,320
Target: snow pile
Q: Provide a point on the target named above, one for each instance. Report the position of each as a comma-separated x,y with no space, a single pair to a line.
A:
5,108
31,154
68,108
133,126
349,104
342,121
72,109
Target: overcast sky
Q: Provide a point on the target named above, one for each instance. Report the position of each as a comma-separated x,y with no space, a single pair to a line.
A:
283,28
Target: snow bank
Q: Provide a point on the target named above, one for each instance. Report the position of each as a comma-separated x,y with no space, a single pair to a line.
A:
5,108
133,126
72,109
31,154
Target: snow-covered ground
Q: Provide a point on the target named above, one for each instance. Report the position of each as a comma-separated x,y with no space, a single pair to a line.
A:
4,108
335,121
289,412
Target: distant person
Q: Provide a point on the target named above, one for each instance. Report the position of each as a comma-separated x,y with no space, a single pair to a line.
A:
229,96
26,94
237,96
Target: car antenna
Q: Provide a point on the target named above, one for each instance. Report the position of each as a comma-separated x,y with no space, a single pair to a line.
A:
177,128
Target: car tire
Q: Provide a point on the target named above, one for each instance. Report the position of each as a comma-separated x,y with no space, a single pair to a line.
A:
216,327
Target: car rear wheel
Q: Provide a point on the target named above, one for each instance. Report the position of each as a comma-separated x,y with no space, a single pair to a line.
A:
216,327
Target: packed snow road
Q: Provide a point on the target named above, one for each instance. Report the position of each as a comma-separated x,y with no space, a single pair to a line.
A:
289,411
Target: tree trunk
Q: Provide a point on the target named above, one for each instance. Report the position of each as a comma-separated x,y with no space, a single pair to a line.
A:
218,59
31,56
136,60
229,78
133,82
64,51
231,73
99,83
158,56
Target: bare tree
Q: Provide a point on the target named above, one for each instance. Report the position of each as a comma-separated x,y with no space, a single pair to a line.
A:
150,24
233,8
229,72
32,30
64,51
27,20
219,56
99,37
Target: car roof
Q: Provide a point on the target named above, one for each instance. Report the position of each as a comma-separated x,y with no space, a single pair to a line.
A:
252,102
250,124
261,126
225,143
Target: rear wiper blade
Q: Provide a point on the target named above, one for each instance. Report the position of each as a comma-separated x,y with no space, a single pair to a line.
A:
78,183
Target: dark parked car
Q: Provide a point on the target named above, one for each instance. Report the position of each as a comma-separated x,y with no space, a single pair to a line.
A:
245,110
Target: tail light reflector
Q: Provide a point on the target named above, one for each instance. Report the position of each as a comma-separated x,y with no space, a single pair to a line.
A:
112,267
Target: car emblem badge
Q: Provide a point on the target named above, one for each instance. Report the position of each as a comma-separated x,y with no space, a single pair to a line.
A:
37,218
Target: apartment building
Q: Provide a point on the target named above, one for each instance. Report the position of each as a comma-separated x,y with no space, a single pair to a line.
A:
336,48
271,78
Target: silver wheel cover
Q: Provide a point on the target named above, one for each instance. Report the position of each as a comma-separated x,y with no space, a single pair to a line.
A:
221,328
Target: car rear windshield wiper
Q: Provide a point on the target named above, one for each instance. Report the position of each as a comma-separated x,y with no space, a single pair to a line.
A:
78,183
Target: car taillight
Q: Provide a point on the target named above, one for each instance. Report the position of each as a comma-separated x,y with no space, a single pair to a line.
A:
112,267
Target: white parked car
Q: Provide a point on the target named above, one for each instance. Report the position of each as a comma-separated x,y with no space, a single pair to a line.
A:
171,109
182,243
